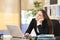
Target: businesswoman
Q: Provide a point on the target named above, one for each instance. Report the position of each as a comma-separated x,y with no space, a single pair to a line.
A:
41,24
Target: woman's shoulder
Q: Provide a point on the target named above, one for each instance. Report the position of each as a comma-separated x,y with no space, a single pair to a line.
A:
33,19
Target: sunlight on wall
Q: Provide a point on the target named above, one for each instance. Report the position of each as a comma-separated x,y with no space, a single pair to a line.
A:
9,13
58,1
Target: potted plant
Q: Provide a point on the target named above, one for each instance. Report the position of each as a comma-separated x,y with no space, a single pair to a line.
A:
37,5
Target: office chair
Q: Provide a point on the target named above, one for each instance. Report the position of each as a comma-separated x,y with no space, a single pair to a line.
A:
56,27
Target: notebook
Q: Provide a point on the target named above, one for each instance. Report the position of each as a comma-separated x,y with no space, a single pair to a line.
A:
15,31
46,35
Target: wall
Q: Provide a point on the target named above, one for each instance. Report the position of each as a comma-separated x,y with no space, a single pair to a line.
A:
58,1
9,13
28,4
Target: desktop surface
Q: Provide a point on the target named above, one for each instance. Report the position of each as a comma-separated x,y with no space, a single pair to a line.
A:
33,38
9,37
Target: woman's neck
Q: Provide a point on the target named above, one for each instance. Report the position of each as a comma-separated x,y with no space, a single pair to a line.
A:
39,23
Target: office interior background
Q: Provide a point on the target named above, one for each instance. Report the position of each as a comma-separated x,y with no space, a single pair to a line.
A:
51,6
13,12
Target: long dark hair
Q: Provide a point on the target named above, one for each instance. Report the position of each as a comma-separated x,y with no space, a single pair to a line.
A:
46,18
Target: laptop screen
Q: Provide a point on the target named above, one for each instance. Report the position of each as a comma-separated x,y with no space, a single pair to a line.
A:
15,31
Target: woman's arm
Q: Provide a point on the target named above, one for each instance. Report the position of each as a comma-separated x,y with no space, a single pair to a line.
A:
27,33
30,27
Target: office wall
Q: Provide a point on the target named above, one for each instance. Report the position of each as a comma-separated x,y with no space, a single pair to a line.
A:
28,4
9,13
58,1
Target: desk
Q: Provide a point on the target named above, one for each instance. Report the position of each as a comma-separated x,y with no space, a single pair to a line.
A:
8,37
33,38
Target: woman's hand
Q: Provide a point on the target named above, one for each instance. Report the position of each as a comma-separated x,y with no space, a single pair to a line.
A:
27,35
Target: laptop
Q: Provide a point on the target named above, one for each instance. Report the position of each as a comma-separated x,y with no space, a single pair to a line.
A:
15,31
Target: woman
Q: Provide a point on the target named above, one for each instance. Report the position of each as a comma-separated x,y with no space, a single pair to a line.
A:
41,24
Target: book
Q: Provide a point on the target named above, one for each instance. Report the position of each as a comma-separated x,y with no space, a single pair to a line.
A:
46,36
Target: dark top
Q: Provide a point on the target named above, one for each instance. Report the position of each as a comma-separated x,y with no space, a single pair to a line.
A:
43,29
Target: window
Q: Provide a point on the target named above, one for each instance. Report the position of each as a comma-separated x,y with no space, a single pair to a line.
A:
53,1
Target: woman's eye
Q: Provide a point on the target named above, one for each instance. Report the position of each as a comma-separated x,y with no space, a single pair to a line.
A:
39,15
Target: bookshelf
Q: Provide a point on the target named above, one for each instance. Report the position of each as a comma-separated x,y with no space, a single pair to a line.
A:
53,9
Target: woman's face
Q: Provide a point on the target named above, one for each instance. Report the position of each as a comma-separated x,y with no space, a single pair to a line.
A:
39,15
